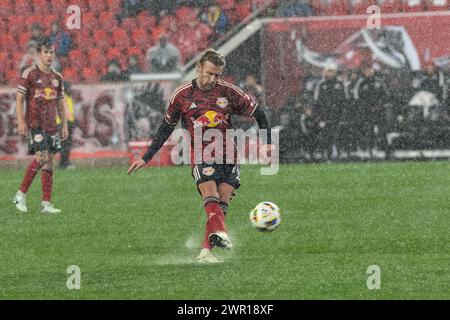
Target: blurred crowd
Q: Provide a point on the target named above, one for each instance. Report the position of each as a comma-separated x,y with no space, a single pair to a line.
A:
365,113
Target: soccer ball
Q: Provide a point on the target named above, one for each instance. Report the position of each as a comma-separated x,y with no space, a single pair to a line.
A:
265,216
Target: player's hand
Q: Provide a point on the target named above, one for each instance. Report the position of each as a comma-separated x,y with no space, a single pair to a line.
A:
136,166
64,133
22,128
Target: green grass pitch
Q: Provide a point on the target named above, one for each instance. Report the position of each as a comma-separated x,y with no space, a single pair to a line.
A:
137,237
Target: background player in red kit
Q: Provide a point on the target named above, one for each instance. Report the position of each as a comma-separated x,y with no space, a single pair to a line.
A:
41,87
208,102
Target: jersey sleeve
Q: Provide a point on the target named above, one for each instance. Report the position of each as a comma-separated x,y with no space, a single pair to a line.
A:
242,103
25,83
172,115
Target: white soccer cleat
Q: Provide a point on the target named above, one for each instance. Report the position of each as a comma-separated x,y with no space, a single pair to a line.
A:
220,239
206,256
20,201
47,207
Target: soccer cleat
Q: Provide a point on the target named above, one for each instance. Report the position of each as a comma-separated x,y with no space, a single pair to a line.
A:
20,201
47,207
206,256
220,239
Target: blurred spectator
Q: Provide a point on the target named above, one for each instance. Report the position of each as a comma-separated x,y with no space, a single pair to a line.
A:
60,40
370,95
433,81
37,33
294,8
114,73
251,86
30,56
310,129
330,99
290,135
164,56
131,8
133,65
160,8
66,145
216,18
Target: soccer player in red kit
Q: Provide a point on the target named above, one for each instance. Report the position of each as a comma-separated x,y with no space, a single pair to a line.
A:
42,89
208,102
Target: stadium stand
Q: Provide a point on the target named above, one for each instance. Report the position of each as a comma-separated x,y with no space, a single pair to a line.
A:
102,37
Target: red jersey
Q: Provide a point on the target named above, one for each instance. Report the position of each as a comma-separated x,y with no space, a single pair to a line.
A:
42,92
208,109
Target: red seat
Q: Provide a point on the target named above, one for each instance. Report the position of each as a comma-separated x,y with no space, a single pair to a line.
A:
90,74
7,41
390,6
12,76
137,51
146,20
24,38
3,57
243,10
89,21
226,4
71,74
140,37
22,7
97,59
18,24
120,38
185,13
77,58
129,24
101,39
80,37
115,53
59,7
40,7
108,21
317,7
8,9
97,6
338,8
360,7
113,5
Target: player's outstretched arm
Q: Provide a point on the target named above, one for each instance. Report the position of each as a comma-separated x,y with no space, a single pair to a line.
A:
164,132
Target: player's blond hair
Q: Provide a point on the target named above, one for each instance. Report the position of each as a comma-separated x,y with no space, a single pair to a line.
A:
213,56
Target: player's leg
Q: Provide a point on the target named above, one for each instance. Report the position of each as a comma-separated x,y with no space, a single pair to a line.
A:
226,192
47,175
36,146
205,177
216,232
30,173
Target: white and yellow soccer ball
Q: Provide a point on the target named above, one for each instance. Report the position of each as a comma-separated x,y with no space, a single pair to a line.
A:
265,216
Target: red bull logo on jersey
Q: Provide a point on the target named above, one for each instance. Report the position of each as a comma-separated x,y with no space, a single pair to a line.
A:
210,119
46,93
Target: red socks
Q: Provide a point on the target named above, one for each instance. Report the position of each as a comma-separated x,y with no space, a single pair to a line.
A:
216,219
47,182
30,173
